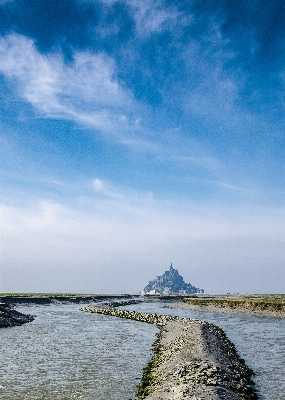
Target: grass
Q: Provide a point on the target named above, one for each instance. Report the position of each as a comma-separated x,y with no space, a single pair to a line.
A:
146,386
252,302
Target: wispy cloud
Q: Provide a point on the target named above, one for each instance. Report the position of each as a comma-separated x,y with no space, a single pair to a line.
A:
231,187
121,199
153,16
106,189
86,90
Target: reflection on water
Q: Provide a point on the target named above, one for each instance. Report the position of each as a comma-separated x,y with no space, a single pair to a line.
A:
259,340
67,354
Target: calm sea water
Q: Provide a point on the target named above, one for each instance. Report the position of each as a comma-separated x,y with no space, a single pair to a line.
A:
67,354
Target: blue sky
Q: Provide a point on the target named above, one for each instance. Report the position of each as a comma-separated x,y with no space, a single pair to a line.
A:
139,133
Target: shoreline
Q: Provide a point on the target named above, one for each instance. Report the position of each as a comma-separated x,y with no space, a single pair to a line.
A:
191,359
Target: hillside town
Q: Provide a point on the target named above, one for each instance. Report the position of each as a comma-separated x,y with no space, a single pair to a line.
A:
171,282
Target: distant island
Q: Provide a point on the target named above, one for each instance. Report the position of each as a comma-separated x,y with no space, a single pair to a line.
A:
171,282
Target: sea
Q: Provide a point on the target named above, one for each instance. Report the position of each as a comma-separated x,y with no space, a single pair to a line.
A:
68,354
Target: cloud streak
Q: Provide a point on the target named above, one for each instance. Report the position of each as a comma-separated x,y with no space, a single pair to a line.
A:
153,17
86,91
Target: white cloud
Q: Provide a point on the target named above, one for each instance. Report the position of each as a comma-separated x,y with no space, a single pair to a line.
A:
248,189
214,88
152,16
86,90
122,201
128,234
106,189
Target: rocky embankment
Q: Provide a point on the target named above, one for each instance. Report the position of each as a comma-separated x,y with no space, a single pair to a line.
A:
122,303
10,317
191,360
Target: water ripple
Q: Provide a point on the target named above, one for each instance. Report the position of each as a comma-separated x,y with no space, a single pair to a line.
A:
68,354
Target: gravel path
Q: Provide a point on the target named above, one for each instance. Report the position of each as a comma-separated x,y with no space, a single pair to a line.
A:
192,360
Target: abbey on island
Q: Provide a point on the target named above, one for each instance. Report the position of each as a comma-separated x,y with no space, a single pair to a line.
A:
171,282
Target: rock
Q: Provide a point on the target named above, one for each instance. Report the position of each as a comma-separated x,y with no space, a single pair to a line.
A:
10,317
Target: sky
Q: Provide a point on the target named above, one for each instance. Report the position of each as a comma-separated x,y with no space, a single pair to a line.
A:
136,133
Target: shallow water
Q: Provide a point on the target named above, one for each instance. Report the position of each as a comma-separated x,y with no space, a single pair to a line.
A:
260,341
68,354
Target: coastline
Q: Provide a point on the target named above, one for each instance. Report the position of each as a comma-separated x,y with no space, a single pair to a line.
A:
227,308
191,359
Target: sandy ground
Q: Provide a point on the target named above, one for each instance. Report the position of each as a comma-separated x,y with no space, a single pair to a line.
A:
228,310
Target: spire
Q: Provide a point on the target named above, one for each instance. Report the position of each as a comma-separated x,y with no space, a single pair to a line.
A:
171,282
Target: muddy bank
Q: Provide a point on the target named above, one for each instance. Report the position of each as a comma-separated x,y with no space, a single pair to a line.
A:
231,307
10,317
60,299
191,360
